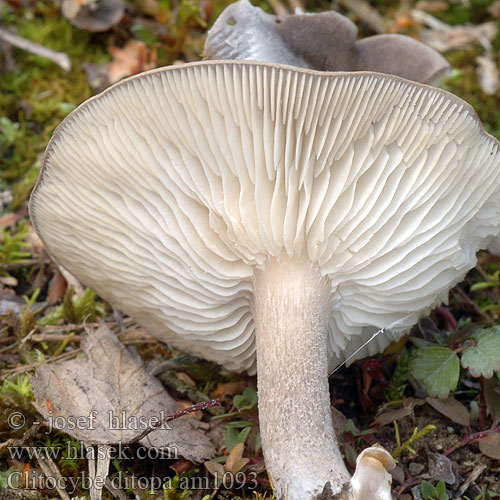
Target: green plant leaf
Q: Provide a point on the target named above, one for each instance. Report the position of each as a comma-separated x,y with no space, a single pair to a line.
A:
441,488
235,436
483,359
240,424
247,400
438,368
428,491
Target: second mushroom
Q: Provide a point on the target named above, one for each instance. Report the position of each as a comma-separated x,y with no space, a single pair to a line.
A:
270,218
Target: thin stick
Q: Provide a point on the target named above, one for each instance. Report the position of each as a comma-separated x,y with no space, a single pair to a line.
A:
50,470
59,58
196,407
278,7
367,14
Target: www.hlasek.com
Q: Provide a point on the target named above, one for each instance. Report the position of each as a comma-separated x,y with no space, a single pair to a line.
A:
18,480
78,451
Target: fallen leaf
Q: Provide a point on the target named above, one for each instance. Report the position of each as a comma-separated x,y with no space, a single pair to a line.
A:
132,59
490,445
390,416
57,287
452,409
110,398
181,467
229,389
494,9
93,15
186,379
235,461
8,220
492,397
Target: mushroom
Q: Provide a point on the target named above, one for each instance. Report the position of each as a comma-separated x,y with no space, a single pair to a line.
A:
272,218
324,41
371,479
93,15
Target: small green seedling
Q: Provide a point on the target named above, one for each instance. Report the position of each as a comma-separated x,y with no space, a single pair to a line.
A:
430,492
238,430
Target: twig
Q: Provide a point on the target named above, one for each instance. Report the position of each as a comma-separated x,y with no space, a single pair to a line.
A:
55,337
50,469
471,438
467,300
32,431
33,366
476,472
13,266
367,14
59,58
278,7
296,6
190,409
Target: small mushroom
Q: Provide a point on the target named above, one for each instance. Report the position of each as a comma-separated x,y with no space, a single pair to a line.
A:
93,15
325,41
271,218
371,481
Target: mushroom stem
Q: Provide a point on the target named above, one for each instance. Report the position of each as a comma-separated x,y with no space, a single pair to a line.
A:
291,302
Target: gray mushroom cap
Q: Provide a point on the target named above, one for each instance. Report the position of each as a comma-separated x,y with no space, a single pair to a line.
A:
324,41
93,15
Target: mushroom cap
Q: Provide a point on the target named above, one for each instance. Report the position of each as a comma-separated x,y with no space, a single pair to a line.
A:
371,481
323,41
166,191
100,15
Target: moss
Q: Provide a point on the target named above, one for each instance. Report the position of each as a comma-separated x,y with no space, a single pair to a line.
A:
37,95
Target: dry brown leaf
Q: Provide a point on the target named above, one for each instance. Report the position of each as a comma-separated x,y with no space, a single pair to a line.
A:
186,379
229,389
490,445
57,287
8,220
452,409
235,461
494,9
390,416
131,60
110,398
136,335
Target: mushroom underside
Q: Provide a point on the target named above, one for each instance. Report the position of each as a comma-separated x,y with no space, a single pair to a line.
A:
166,195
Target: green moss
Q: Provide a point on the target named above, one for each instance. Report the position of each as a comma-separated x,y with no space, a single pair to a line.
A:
37,95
